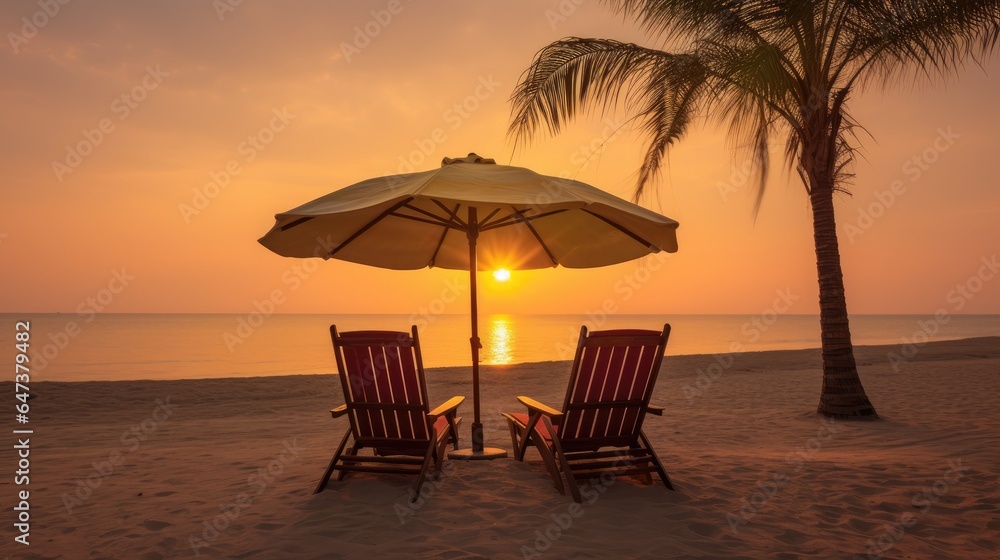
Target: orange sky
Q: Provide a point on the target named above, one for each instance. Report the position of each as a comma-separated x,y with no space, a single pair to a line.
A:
179,89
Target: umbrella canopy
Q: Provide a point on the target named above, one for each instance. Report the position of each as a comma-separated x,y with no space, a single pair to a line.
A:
526,221
472,214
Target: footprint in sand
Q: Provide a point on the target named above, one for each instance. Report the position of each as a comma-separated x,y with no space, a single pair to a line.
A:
705,530
114,533
154,525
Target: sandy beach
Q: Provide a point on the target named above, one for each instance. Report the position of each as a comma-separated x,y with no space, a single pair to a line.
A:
226,468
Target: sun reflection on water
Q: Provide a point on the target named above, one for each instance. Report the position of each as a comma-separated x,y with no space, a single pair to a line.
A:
500,340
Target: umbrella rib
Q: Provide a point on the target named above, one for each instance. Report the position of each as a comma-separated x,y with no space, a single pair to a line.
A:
437,222
439,219
487,218
622,229
438,248
368,226
452,213
540,242
516,217
294,223
504,221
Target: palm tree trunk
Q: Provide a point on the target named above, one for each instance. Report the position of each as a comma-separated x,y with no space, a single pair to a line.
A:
842,396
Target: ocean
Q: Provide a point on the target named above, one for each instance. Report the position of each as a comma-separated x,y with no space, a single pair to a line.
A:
68,347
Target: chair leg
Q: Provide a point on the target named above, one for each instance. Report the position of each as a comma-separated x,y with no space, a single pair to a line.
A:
454,431
519,438
439,459
513,435
550,464
423,470
656,462
567,471
439,454
333,463
527,434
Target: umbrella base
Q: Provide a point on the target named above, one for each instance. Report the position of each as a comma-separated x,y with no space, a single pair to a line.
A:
468,454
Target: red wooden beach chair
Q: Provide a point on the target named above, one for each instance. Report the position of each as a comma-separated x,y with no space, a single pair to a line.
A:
600,424
382,375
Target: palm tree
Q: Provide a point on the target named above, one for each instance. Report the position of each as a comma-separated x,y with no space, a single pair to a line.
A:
765,68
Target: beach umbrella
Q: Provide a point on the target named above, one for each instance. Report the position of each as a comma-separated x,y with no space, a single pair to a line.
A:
472,214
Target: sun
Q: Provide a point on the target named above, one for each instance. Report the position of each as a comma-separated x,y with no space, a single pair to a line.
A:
501,275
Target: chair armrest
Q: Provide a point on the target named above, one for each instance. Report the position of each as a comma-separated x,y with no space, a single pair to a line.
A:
448,407
654,409
535,406
339,411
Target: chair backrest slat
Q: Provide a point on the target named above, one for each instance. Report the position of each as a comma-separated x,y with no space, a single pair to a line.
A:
611,383
598,378
384,358
613,379
577,390
381,370
642,385
357,389
397,380
624,391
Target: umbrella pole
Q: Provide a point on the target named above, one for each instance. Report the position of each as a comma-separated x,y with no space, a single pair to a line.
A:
477,426
478,451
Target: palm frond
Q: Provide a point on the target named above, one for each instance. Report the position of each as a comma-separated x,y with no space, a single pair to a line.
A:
573,73
929,38
759,67
674,96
